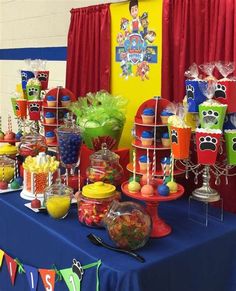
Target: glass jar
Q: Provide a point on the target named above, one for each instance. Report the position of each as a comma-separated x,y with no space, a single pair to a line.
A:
128,225
104,166
94,201
7,168
32,144
57,199
69,143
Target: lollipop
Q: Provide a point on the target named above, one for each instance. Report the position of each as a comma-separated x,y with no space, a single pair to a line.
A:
134,186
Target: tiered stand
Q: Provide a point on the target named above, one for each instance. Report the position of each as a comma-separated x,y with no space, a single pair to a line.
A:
156,152
159,227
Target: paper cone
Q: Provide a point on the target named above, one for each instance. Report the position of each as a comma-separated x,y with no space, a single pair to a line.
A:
180,142
225,93
212,116
230,141
25,76
33,92
43,77
207,141
34,109
194,95
21,108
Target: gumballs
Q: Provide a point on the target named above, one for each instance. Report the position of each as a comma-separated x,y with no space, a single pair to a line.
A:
172,186
163,190
134,187
147,190
3,185
15,185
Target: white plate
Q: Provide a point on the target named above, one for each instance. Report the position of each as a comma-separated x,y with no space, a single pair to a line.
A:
9,190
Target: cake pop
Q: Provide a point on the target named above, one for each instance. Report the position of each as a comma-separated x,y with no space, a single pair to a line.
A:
173,186
15,185
163,190
134,186
147,190
9,134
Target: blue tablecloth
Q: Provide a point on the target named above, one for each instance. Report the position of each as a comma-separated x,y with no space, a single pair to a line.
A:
192,258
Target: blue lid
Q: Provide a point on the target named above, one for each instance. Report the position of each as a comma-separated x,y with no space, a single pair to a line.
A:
49,114
50,134
166,113
65,98
147,134
165,160
143,159
51,98
148,111
165,135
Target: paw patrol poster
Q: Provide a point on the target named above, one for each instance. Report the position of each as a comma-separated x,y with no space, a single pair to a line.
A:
136,54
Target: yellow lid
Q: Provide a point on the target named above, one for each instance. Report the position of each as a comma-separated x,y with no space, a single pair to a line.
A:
8,149
98,190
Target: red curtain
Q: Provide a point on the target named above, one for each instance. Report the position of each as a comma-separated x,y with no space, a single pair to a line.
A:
195,31
88,51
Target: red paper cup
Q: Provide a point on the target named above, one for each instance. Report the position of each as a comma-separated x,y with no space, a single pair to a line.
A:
21,108
225,94
180,142
207,141
43,77
34,109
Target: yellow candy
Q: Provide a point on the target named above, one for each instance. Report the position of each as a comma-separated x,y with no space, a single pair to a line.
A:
8,173
58,206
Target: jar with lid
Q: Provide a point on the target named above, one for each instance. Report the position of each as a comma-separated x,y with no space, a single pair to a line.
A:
94,201
104,166
32,144
57,199
128,224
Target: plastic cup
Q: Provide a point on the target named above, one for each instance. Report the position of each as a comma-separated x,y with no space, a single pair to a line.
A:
207,141
13,102
43,77
21,108
180,142
33,92
34,109
230,141
194,94
212,116
225,94
25,76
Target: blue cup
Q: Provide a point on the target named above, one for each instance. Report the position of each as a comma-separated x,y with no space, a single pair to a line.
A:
194,95
25,76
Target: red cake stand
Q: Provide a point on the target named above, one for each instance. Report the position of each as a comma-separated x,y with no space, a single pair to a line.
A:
159,227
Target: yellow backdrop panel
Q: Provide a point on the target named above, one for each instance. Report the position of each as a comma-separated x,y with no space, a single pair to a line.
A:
136,87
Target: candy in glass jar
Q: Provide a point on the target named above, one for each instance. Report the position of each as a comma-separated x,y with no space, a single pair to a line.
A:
32,144
94,201
128,225
104,166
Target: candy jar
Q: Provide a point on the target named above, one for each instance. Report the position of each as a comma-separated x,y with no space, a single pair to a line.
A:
6,170
104,166
32,144
128,225
94,201
57,199
69,143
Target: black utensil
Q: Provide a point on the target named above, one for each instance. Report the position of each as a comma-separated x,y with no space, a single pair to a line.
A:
98,242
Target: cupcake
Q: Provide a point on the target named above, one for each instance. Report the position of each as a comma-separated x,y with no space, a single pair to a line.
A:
165,139
50,137
165,114
50,117
51,101
166,162
65,100
147,138
148,115
143,163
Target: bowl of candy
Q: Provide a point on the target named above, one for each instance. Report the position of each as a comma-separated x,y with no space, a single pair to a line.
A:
128,225
32,144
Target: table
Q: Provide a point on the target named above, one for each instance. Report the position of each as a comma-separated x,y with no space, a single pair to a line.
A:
192,258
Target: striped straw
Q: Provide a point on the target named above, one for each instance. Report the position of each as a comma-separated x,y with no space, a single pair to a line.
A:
164,169
79,186
154,163
148,162
172,167
134,164
9,123
3,173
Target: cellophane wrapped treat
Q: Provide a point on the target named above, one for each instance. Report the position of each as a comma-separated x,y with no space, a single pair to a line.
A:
33,89
26,73
225,91
41,73
194,95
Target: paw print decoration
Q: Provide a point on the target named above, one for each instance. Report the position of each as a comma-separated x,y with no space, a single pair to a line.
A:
174,136
77,269
190,92
220,91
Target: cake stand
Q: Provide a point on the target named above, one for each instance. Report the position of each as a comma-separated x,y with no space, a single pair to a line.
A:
159,227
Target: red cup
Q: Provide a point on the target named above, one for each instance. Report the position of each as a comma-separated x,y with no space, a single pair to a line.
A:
21,108
225,94
207,142
180,142
34,109
43,77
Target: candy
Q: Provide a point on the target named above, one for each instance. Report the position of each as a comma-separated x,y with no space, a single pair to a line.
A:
58,206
